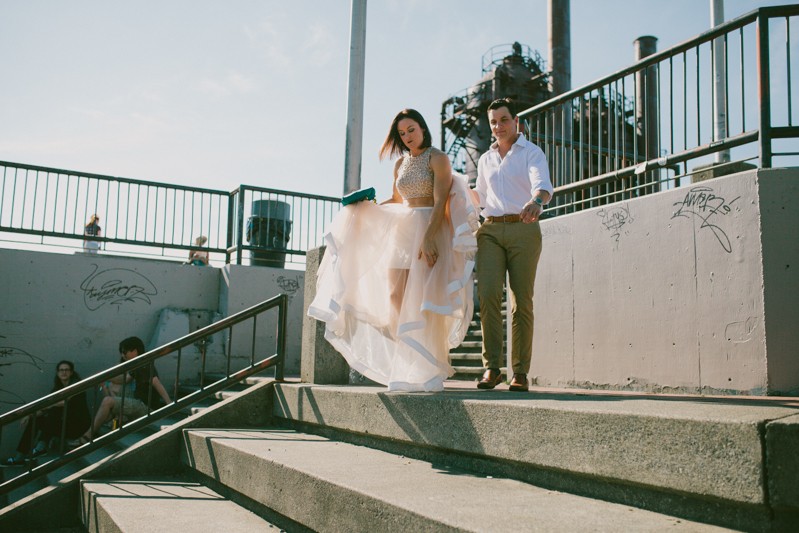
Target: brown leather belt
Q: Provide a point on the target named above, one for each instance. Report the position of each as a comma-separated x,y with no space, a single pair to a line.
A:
507,219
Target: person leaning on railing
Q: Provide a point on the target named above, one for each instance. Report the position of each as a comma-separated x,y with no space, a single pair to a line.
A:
134,404
92,229
199,257
49,422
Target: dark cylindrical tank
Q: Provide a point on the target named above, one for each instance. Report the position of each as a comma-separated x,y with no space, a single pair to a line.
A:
269,228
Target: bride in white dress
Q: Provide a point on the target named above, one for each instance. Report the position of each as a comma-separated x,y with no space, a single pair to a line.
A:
395,284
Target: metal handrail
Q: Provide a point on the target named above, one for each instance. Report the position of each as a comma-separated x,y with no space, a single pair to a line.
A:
91,383
657,57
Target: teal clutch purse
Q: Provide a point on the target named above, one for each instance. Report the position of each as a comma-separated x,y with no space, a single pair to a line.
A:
358,196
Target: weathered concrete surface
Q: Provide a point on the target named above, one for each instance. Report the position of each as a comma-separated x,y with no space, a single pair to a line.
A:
335,486
692,289
78,307
176,323
778,190
157,455
244,286
321,363
782,444
708,449
163,505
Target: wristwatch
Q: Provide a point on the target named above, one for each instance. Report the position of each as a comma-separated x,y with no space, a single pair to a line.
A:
539,201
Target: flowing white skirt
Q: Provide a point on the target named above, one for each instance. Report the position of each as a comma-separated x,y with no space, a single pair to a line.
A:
393,318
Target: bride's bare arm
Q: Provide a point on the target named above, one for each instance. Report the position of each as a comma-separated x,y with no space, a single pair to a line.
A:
442,182
396,198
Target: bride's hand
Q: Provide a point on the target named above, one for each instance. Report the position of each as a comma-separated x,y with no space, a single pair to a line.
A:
430,252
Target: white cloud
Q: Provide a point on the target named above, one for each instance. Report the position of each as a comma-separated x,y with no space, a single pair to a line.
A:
319,45
274,43
234,83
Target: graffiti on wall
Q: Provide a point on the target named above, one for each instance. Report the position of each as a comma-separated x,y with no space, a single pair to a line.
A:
116,286
13,356
289,285
709,208
616,220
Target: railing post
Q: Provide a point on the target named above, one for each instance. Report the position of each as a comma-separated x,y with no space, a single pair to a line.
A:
282,311
764,90
240,229
231,208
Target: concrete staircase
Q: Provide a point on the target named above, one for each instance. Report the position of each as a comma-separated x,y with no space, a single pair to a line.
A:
304,457
467,359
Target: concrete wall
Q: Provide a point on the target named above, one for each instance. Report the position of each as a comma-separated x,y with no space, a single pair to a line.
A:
242,287
78,307
692,289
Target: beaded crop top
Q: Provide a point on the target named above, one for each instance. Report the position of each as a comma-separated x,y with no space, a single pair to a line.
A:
415,177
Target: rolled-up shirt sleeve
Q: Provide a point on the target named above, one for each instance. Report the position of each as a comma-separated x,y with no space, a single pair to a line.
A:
480,185
539,173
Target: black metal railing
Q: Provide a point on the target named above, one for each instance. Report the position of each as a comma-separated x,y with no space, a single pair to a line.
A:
256,362
651,125
50,206
57,203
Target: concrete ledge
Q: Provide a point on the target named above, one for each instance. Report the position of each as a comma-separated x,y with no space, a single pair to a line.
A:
334,486
782,443
159,454
163,505
706,449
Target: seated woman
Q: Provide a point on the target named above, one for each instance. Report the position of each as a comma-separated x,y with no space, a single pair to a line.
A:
135,401
48,423
198,257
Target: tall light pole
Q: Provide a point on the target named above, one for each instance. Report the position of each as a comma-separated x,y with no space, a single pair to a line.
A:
354,141
560,81
719,81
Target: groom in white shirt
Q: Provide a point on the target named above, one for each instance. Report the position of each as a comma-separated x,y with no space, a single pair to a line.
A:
513,186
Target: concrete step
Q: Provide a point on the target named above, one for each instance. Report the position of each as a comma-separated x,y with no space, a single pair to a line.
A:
707,460
345,487
142,506
55,507
470,345
223,395
465,359
472,373
63,472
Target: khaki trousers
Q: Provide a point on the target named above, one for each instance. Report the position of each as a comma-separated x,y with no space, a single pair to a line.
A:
513,248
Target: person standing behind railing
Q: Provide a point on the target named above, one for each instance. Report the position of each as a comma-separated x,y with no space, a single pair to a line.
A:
92,229
198,257
50,421
135,404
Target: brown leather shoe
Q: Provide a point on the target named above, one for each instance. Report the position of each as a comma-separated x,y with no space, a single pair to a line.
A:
491,378
519,383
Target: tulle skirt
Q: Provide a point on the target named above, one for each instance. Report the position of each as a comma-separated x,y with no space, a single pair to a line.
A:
392,317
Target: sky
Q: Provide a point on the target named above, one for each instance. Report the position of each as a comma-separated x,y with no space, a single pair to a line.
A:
221,93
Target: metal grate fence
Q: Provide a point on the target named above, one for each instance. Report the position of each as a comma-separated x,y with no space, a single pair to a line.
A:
655,124
52,207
